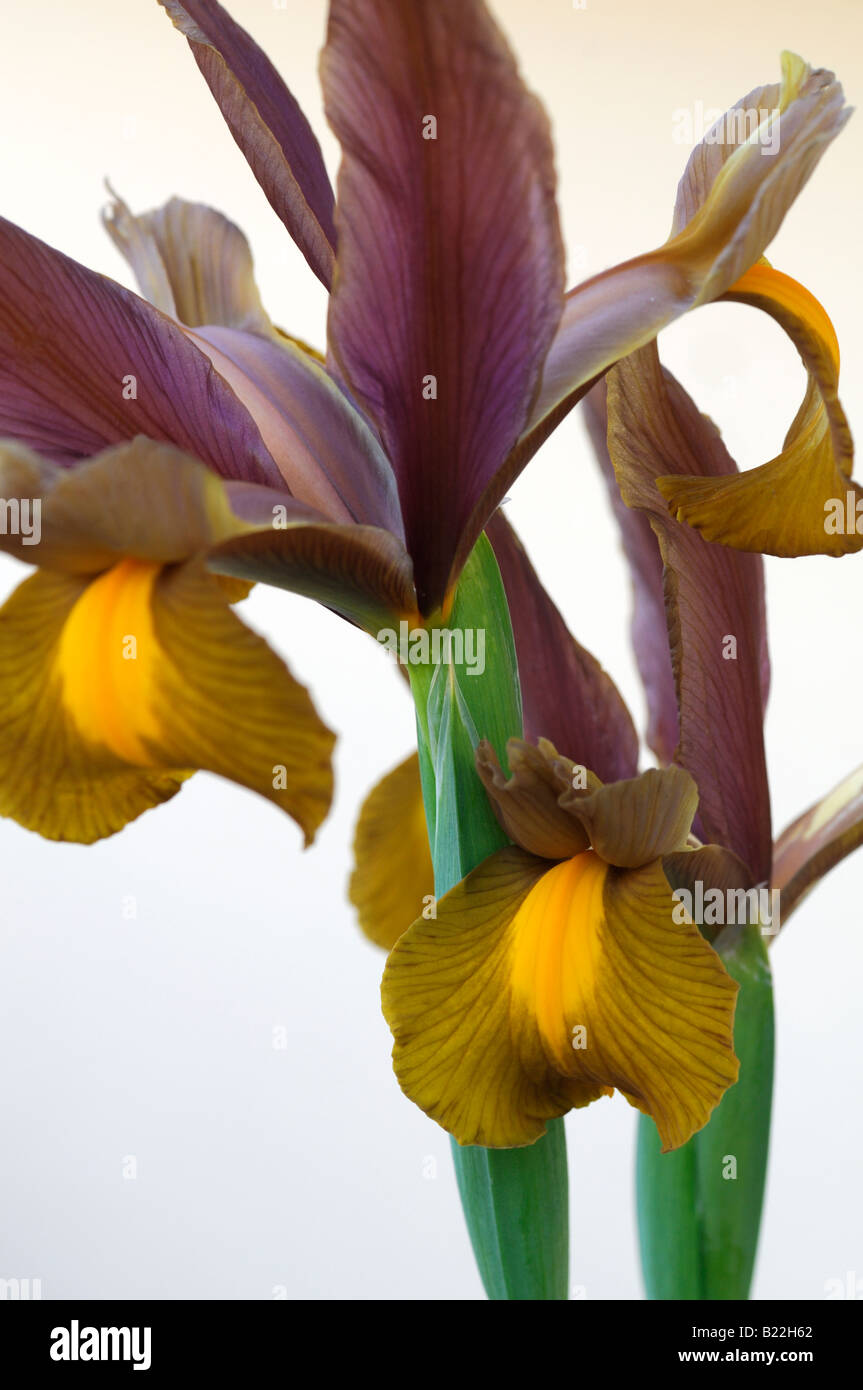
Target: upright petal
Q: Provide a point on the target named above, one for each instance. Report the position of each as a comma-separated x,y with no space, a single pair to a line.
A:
551,807
267,124
191,262
649,628
324,448
566,695
633,822
528,802
196,265
85,363
449,280
714,604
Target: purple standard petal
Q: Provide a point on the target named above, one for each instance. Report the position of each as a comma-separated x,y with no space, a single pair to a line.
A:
818,840
324,448
85,363
267,124
649,630
194,264
714,599
567,697
449,279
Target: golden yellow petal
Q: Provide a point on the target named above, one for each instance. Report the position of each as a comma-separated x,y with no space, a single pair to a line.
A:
393,878
537,990
446,996
107,663
115,690
51,780
803,502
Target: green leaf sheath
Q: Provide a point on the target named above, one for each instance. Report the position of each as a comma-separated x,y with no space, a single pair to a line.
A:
699,1208
515,1200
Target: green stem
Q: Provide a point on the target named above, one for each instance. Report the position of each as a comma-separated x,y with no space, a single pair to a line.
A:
699,1208
515,1200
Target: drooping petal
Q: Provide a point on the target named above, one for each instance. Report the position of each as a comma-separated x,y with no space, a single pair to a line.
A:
267,124
537,989
667,1033
116,689
232,706
818,840
446,998
714,604
85,363
649,629
804,501
393,878
737,215
140,500
449,283
362,572
196,265
566,695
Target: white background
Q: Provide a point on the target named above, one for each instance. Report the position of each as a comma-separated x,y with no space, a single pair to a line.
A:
304,1169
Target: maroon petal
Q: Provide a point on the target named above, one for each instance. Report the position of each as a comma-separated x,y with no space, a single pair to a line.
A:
818,840
450,267
267,124
714,602
649,630
85,363
195,265
325,450
567,697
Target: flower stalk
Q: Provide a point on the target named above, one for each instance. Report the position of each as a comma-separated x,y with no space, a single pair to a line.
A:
515,1200
699,1207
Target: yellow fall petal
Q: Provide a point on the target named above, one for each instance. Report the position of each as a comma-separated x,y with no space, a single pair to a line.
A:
539,989
786,506
393,875
732,200
107,661
115,690
652,998
51,780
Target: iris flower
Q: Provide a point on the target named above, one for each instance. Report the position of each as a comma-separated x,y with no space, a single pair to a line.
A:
363,479
559,969
540,986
